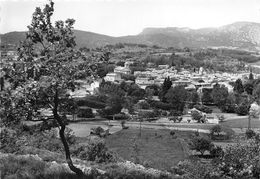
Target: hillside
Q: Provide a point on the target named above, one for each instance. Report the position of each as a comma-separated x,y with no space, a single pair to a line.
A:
242,35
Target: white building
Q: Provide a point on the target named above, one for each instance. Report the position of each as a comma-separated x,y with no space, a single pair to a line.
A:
123,70
113,77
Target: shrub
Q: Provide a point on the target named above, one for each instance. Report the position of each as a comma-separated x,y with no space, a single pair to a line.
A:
148,115
221,118
200,144
218,132
21,167
97,131
46,140
123,125
85,113
250,133
216,151
121,116
203,108
8,141
195,169
175,113
241,160
215,130
242,109
95,150
91,103
196,115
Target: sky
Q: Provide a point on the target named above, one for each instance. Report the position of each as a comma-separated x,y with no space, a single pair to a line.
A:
130,17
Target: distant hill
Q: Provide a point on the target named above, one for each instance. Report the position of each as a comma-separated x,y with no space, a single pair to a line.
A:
243,35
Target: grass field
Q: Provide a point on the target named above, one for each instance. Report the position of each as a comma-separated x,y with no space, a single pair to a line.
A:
241,123
156,148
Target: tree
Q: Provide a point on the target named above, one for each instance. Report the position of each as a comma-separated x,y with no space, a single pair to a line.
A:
113,106
207,96
251,76
177,97
219,95
164,89
249,87
193,98
200,144
238,88
196,115
52,49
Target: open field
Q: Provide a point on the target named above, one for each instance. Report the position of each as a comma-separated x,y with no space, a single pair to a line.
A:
156,148
241,123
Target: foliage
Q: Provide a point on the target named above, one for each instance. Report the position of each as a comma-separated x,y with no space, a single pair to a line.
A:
207,96
250,133
155,88
8,140
164,89
242,109
195,169
203,108
99,131
216,151
241,160
121,116
143,105
160,105
193,98
85,112
219,95
238,88
200,144
249,87
92,103
230,104
196,115
176,96
114,106
146,115
50,48
215,130
221,118
95,150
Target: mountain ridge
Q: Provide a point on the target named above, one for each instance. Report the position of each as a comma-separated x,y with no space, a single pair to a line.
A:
242,35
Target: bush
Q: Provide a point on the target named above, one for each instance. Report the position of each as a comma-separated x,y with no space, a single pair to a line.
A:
218,132
143,105
8,141
91,103
95,150
250,133
195,169
85,113
22,167
175,113
216,151
161,105
215,130
203,108
175,119
197,116
242,109
241,160
200,144
121,116
221,118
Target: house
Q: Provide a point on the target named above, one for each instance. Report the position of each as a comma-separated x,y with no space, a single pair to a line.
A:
113,77
124,70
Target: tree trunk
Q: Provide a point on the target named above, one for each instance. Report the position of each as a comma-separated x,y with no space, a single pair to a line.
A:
62,136
249,122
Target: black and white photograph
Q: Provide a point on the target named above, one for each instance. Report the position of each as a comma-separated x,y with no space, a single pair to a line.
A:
130,89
